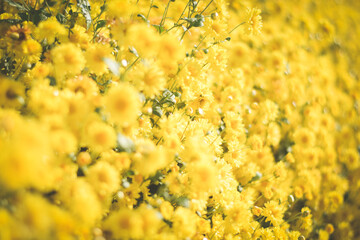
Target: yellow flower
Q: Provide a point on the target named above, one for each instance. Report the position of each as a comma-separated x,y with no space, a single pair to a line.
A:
323,235
269,111
351,158
79,37
32,50
184,222
143,38
149,158
119,8
148,78
304,223
166,209
170,53
79,197
67,58
273,212
7,225
83,85
122,102
99,136
104,178
304,137
256,211
11,93
41,70
203,175
33,165
83,158
95,55
63,141
332,201
253,21
49,30
329,228
125,224
120,161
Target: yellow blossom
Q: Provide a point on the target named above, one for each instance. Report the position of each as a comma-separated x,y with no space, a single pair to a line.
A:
123,103
67,58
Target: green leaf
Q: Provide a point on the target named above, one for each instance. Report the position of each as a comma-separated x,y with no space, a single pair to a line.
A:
143,17
39,15
61,18
84,6
133,51
156,109
19,6
180,105
257,177
52,81
168,98
124,144
100,24
182,201
159,28
197,21
11,21
113,66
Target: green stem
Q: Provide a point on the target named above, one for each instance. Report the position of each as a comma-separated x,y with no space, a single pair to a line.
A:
206,7
201,41
127,69
183,12
165,13
151,5
48,7
236,27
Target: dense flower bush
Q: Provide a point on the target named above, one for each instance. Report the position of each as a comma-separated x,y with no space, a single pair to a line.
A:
176,119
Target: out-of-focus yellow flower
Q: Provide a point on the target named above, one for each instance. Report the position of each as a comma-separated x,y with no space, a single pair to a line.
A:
12,93
104,178
95,55
184,222
144,39
49,30
99,136
79,197
148,78
149,158
125,224
123,104
67,58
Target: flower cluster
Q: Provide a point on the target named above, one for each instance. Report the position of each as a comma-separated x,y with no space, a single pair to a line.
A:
164,119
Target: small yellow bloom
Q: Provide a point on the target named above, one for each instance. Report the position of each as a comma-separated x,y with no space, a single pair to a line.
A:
166,209
49,30
104,178
122,102
99,136
95,55
83,158
273,212
253,21
67,58
11,93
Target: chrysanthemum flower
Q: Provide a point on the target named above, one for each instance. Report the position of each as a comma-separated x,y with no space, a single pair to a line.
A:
122,102
95,55
99,136
49,30
67,58
253,21
273,212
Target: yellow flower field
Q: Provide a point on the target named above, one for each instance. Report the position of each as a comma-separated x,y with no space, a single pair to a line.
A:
179,119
